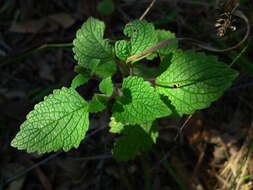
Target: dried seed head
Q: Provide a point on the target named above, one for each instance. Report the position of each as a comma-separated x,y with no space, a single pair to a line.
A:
225,20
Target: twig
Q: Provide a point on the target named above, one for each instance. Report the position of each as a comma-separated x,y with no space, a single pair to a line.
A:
124,15
183,126
49,158
165,157
147,10
239,55
198,164
23,172
241,86
101,157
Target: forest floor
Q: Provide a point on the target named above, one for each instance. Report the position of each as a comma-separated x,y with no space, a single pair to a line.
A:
213,150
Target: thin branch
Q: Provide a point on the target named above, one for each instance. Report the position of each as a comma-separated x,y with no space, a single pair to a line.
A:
29,52
147,10
183,126
87,158
49,158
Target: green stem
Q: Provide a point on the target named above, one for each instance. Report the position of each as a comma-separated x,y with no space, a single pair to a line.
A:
12,59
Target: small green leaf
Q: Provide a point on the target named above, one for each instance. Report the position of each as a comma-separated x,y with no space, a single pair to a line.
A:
142,37
98,103
89,44
115,127
59,122
194,80
139,103
134,140
106,86
122,49
149,128
153,132
82,70
166,35
106,69
79,80
105,7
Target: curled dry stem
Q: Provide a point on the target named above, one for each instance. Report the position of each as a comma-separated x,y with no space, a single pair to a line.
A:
201,44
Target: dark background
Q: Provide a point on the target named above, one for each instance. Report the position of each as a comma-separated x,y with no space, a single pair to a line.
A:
214,144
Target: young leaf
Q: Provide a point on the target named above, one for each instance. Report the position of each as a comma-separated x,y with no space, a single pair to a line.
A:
98,103
134,140
79,80
89,43
139,103
194,80
122,49
59,122
115,127
142,37
106,86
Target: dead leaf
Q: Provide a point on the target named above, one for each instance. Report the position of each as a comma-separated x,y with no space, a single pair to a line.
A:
30,26
63,19
42,177
46,24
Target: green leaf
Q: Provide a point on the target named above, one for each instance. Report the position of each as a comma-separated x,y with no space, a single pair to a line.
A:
142,37
139,103
106,69
122,49
89,44
134,140
59,122
126,147
79,80
82,70
115,127
98,103
106,7
144,71
194,80
148,72
166,35
98,68
106,86
153,132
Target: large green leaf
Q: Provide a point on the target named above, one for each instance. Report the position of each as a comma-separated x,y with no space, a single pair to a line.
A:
89,44
142,37
194,80
59,122
139,103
